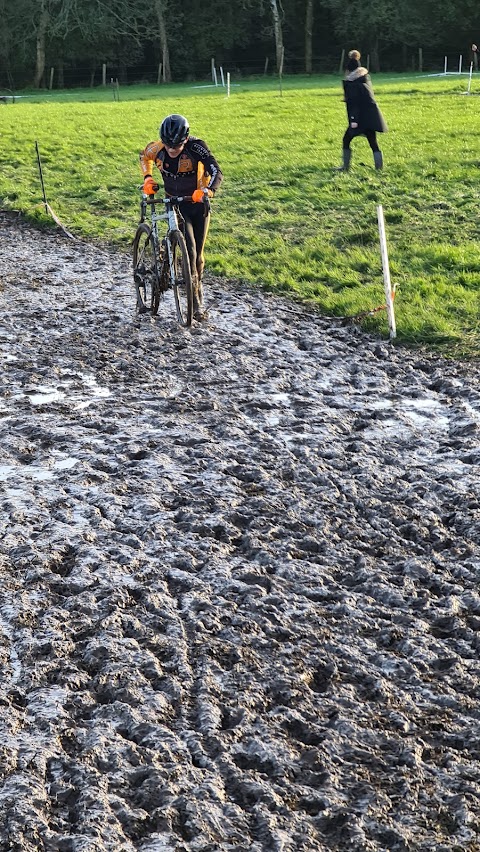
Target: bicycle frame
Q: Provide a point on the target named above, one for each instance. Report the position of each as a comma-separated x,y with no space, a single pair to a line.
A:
170,216
168,249
171,212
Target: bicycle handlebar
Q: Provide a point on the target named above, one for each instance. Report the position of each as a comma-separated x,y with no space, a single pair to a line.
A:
175,199
172,199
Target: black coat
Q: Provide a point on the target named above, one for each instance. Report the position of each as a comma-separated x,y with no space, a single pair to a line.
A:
361,104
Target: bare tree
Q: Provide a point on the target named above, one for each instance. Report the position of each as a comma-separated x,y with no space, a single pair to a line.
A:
278,32
162,30
43,22
100,24
308,36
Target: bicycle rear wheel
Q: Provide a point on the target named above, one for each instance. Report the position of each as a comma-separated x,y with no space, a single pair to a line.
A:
182,285
146,270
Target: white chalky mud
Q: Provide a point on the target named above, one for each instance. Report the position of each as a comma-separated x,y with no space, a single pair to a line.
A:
239,603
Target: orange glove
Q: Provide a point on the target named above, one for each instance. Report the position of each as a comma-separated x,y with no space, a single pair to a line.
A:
202,194
149,186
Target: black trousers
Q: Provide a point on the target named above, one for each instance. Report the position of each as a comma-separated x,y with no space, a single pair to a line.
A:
351,132
197,220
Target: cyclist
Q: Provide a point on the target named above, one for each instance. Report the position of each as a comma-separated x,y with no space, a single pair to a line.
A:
187,168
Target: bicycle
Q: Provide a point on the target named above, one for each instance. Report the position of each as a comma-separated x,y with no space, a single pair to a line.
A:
161,264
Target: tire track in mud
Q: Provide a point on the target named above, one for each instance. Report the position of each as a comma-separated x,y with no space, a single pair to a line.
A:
239,569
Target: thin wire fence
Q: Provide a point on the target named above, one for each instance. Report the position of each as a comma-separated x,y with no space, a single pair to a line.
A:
262,66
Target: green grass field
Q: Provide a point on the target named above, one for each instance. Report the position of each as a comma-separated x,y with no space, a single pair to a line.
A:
284,219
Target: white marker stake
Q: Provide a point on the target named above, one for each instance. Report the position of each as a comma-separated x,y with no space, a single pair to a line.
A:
460,64
445,66
228,84
470,78
386,272
215,76
221,75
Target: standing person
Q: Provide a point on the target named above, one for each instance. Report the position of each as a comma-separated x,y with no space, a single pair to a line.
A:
364,116
187,168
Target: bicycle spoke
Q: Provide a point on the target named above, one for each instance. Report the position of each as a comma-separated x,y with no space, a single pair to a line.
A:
145,271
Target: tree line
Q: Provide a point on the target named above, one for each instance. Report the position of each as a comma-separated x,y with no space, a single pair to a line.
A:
167,40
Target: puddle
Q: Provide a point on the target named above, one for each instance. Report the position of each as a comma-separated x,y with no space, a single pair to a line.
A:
281,398
36,472
423,412
46,397
66,464
408,416
272,419
25,471
97,391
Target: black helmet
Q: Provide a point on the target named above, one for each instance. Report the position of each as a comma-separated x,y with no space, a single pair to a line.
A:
174,130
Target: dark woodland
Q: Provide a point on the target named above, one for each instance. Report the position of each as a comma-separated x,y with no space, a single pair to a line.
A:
170,41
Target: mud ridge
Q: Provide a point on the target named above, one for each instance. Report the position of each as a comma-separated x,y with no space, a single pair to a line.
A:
240,564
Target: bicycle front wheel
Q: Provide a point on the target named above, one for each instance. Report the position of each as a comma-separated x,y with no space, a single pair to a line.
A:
146,272
182,284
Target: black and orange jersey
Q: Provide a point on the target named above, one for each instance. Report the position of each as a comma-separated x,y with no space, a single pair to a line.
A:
194,168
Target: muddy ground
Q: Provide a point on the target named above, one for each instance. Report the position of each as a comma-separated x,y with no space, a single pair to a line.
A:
239,603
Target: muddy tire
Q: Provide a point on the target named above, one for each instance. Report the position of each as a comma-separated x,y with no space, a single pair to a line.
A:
182,285
146,271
